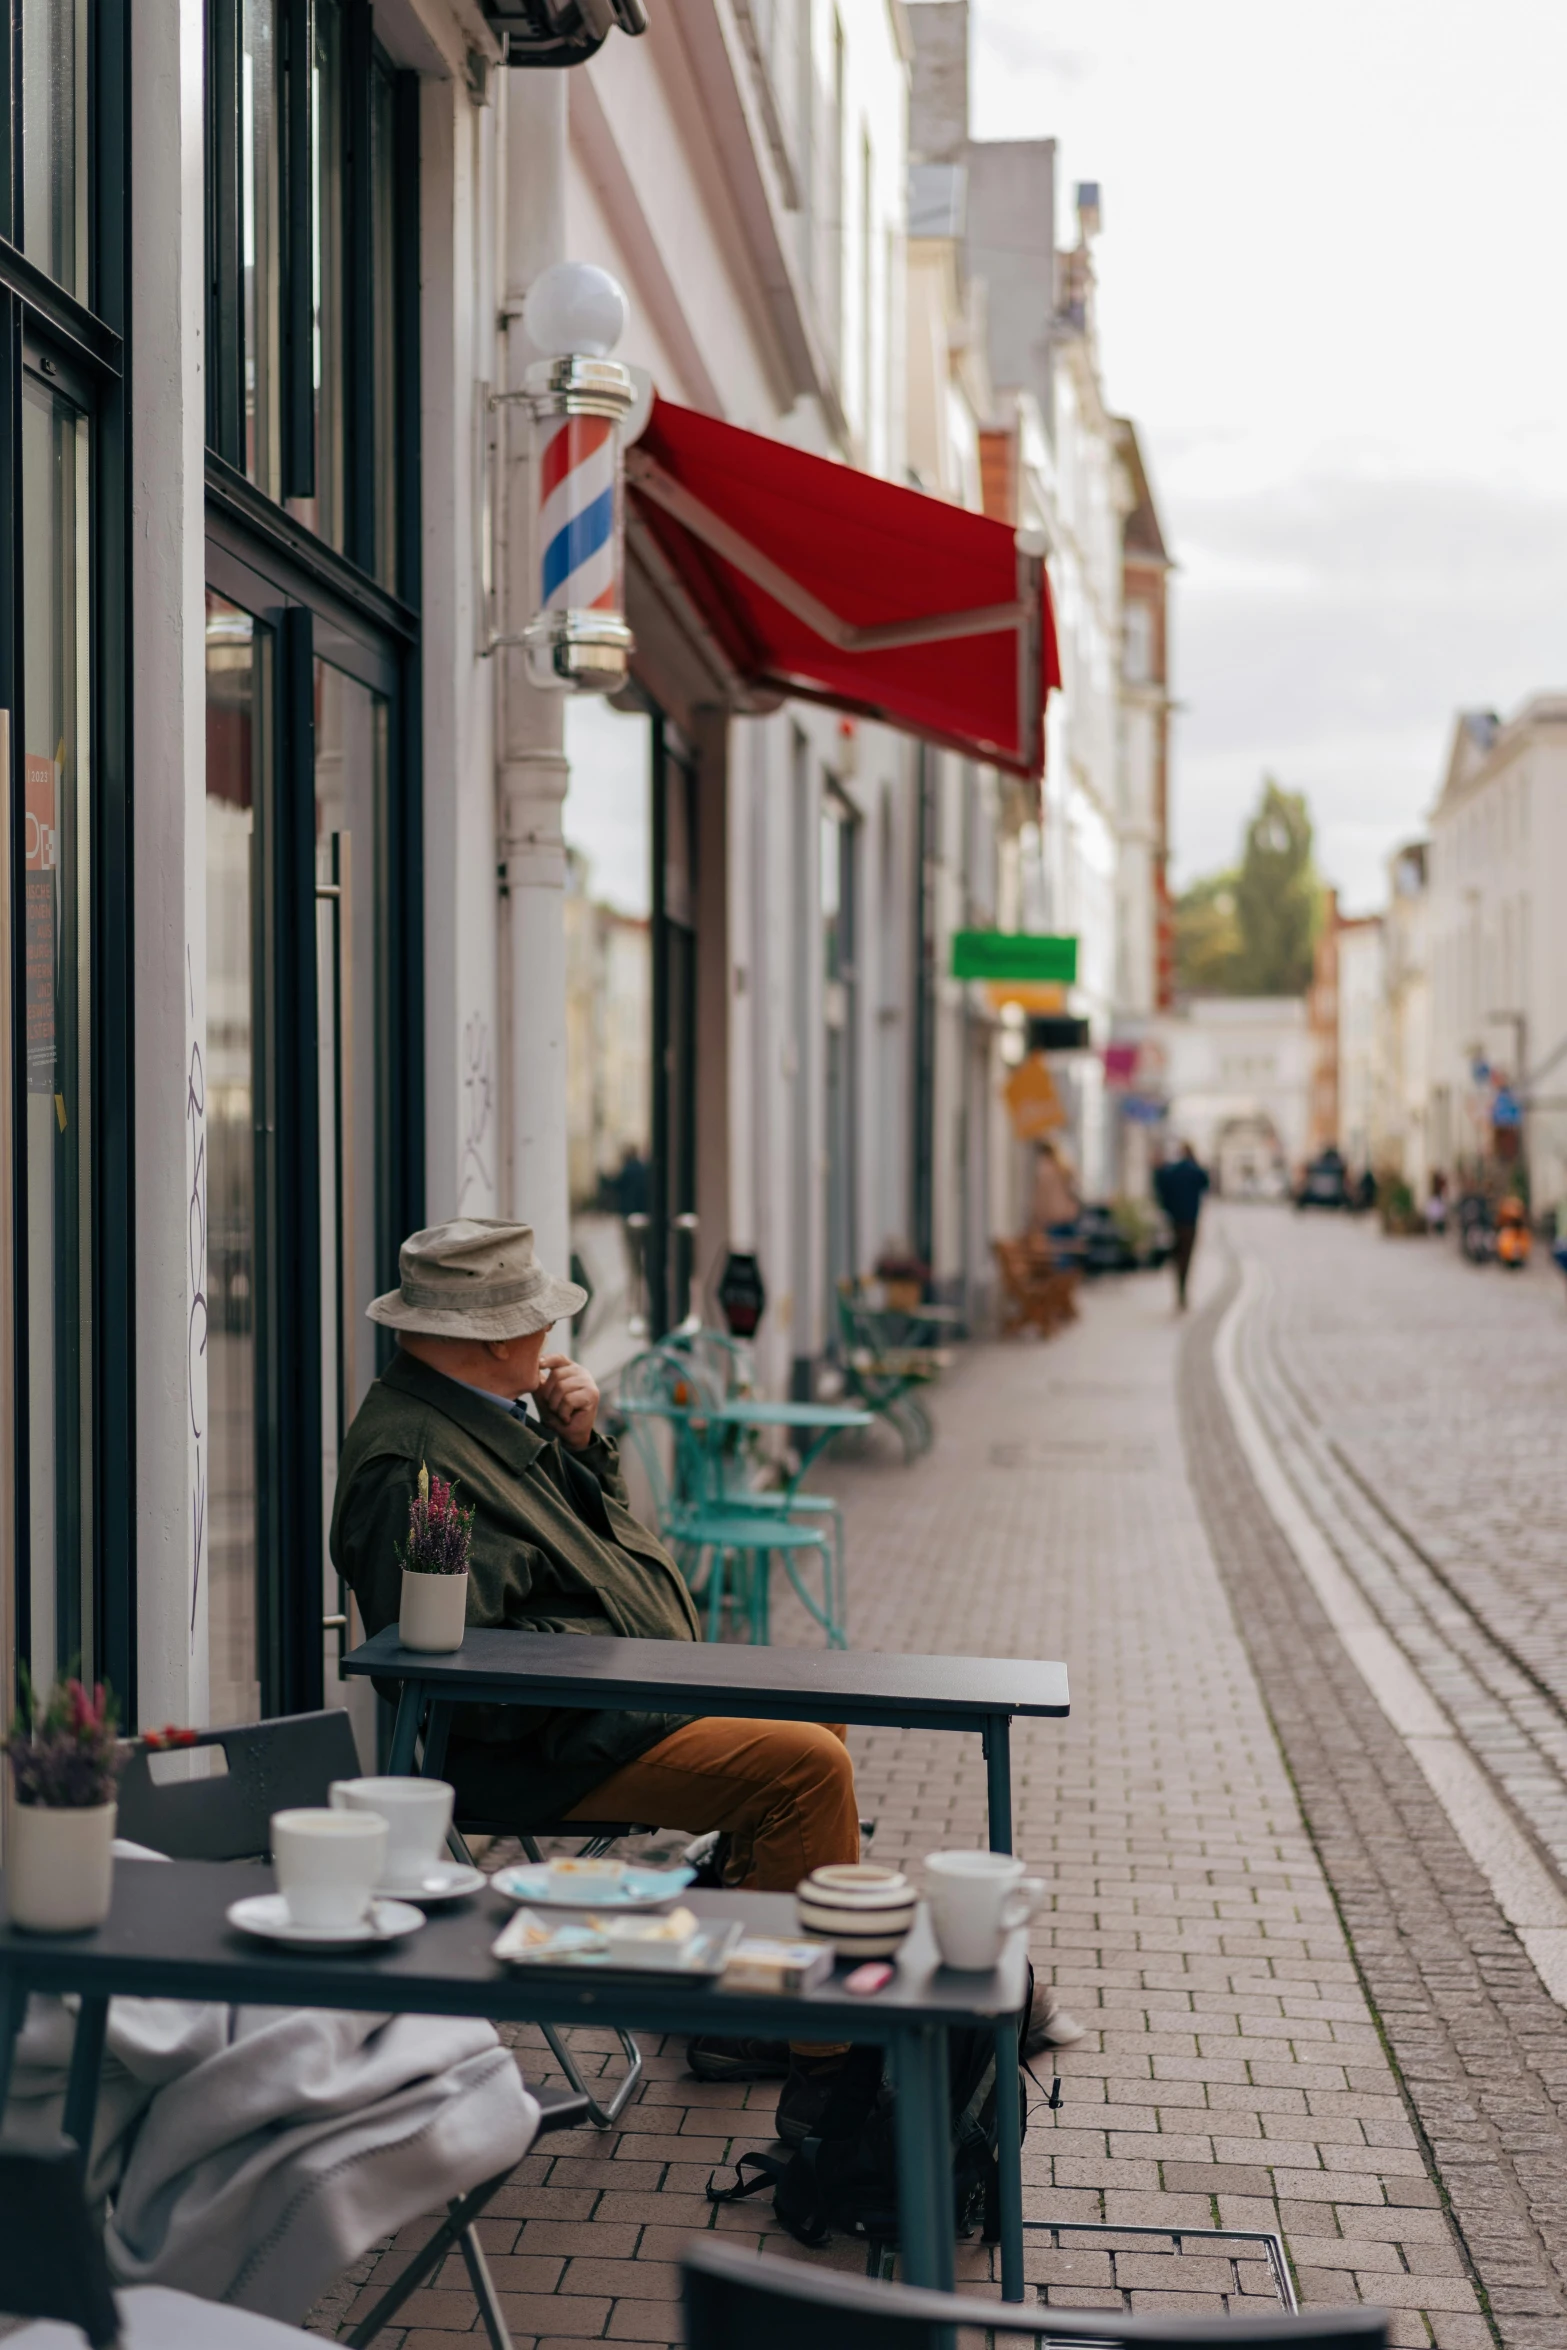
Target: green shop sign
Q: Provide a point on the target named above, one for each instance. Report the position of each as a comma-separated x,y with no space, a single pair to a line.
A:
1013,954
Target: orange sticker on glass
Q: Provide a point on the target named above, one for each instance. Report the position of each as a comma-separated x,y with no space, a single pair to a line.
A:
40,858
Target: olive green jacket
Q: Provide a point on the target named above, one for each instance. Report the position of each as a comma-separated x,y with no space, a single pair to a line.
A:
536,1564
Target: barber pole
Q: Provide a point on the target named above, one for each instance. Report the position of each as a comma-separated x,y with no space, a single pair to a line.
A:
577,516
578,636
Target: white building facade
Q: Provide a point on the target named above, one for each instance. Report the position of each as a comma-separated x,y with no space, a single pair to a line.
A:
1237,1075
1498,952
327,987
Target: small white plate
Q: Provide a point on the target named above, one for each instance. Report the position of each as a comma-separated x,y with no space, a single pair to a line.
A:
443,1880
266,1914
639,1888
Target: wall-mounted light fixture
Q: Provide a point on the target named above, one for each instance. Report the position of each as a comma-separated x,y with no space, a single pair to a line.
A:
560,32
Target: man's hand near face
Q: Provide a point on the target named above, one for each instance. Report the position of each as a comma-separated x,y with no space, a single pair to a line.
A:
567,1400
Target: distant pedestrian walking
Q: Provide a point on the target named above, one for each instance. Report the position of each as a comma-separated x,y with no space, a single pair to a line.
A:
1179,1185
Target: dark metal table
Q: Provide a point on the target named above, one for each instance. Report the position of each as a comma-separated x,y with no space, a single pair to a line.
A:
869,1686
167,1938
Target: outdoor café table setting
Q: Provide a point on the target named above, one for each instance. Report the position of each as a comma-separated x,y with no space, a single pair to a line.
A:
575,1941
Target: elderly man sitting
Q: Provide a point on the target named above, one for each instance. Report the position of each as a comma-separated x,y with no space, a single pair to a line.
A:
555,1549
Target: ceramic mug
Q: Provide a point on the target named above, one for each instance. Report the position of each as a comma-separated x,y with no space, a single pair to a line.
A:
976,1900
417,1813
327,1863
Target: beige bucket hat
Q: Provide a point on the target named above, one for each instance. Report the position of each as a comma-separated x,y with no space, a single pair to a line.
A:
475,1278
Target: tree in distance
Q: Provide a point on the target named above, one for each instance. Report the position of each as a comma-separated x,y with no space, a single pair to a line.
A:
1252,930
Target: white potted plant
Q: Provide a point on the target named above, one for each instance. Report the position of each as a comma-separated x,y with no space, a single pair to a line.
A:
434,1561
59,1863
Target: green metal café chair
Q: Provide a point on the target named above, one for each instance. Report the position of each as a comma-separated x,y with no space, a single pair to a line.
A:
725,1547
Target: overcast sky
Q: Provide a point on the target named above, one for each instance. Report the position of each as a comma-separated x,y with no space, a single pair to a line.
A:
1331,294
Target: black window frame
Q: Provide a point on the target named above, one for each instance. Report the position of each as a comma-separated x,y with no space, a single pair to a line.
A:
79,346
265,559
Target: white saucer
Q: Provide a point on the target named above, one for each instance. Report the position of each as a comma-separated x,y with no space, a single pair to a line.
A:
266,1914
639,1888
443,1880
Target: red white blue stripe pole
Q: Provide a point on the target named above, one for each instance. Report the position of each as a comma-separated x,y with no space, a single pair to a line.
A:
577,637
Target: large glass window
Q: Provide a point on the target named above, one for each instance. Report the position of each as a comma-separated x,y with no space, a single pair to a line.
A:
303,212
260,240
54,139
56,902
312,211
236,757
609,1021
324,511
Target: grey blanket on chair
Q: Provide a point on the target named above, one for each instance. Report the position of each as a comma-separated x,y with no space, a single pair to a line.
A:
258,2151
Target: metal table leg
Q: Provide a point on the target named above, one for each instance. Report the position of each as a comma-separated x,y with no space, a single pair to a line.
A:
998,1779
405,1730
1009,2162
925,2222
81,2089
13,2013
436,1732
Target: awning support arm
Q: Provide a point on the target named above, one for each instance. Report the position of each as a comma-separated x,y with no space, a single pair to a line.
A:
649,478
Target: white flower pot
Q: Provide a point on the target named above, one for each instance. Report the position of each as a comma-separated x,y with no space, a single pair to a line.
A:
59,1867
434,1611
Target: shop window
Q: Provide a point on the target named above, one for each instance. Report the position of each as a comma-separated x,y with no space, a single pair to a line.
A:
237,752
67,1455
306,266
56,905
54,140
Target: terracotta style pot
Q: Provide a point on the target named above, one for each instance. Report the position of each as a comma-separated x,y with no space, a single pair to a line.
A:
434,1612
59,1868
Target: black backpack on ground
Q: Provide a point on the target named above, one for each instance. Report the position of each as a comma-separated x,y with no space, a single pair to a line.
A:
844,2179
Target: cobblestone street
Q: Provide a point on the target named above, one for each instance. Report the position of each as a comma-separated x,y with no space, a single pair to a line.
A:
1307,2005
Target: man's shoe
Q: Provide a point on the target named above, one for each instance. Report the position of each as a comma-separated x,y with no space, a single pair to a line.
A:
1049,2026
806,2096
713,2059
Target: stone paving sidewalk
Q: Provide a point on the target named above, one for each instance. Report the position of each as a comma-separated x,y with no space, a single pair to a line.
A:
1233,2073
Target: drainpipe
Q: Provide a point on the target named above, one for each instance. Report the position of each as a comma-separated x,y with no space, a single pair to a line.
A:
923,1171
531,771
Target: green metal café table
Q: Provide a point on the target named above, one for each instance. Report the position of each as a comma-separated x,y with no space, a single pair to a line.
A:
167,1937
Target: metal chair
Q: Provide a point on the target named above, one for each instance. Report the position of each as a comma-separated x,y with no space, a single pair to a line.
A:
886,1379
725,1549
720,1365
53,2267
269,1767
733,2296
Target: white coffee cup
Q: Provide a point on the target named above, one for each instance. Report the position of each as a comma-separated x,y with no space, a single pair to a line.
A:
327,1863
976,1900
592,1878
417,1813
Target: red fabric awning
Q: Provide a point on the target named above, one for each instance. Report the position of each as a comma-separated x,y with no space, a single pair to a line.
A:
819,581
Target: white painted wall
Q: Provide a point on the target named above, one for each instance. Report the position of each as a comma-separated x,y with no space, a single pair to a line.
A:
1497,944
1235,1058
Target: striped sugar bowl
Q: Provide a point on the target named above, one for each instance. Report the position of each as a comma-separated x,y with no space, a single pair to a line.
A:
862,1910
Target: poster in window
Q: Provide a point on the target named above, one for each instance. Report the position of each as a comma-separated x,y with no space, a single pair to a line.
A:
42,794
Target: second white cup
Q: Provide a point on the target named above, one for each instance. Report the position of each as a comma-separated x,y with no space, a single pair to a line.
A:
976,1900
327,1863
417,1813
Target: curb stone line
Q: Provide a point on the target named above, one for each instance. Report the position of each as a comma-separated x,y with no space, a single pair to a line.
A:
1526,1891
1492,1704
1476,2045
